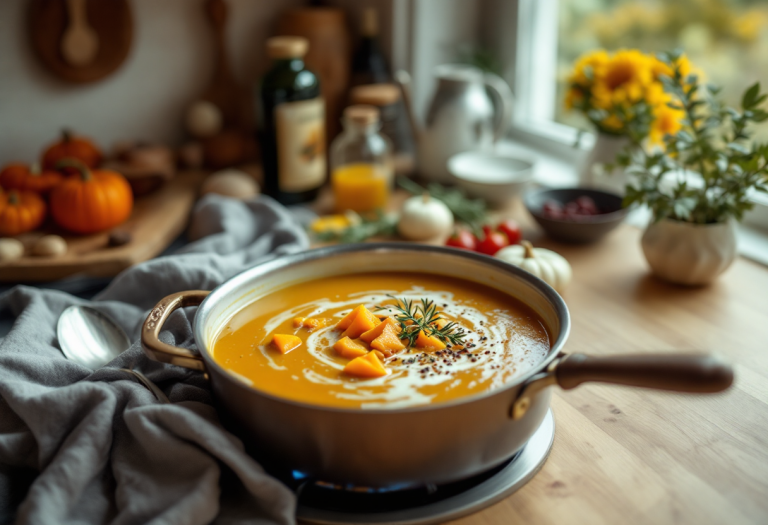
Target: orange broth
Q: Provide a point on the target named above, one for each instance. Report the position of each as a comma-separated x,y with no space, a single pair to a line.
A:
505,340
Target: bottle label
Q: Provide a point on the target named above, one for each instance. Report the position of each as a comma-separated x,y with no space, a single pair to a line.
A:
301,145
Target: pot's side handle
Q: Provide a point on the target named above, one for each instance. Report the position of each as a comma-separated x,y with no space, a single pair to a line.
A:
150,332
675,372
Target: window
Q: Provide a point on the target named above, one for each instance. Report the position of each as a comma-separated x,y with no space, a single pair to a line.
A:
726,39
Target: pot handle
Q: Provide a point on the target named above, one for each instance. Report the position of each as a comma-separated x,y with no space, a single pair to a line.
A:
700,374
154,348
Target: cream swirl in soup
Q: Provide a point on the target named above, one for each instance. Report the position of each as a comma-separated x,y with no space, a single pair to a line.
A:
502,339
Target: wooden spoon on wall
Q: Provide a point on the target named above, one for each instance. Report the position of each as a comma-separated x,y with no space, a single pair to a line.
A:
80,42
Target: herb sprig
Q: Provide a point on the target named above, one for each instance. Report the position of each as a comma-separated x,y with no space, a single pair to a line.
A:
367,227
414,318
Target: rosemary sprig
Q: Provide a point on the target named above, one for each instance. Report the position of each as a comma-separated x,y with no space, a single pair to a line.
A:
414,318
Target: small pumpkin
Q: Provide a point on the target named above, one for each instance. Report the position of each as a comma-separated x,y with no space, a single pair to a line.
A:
18,176
549,266
71,147
20,211
91,200
424,218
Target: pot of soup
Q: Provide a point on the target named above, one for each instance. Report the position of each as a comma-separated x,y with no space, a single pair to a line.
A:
380,364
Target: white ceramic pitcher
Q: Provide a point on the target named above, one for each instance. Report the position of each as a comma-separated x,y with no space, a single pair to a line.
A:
461,117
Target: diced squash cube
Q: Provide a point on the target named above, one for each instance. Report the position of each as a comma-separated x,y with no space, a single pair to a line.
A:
347,320
363,321
440,323
425,341
312,323
298,322
286,342
388,342
367,366
372,334
348,348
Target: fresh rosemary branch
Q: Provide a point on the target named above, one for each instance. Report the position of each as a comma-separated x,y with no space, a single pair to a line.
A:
469,211
414,318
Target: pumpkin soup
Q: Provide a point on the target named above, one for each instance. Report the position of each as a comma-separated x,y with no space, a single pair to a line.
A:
384,340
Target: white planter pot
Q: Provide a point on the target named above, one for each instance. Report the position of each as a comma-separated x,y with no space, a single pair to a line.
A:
605,150
686,253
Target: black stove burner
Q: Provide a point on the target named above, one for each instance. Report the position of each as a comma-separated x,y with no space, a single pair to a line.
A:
364,500
327,504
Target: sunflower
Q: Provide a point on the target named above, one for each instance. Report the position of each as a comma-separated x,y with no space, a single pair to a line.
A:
628,74
659,68
589,67
666,121
574,97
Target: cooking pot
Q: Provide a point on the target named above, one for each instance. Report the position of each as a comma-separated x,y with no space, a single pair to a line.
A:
436,443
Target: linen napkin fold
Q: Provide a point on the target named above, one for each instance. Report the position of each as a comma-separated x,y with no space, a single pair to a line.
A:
82,446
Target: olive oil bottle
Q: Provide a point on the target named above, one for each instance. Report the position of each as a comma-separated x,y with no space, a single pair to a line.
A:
291,117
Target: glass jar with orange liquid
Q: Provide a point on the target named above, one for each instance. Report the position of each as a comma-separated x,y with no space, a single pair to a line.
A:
362,168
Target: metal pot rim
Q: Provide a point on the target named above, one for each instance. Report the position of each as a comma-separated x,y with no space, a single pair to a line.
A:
285,261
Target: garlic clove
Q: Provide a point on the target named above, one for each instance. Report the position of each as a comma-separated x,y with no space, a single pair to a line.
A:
49,246
10,249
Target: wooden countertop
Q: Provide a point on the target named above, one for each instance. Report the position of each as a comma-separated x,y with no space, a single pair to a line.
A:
623,455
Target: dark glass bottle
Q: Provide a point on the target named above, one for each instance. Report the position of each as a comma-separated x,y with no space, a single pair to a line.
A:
368,64
291,118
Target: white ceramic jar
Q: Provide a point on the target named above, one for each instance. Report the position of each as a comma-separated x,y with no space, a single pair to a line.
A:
690,254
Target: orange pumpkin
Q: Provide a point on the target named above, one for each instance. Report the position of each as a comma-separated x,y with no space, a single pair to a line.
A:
18,176
71,147
91,200
20,211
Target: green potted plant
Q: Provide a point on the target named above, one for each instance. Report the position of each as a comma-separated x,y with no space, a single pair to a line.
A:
699,183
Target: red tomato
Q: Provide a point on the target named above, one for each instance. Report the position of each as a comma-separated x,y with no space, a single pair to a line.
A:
493,241
462,239
512,230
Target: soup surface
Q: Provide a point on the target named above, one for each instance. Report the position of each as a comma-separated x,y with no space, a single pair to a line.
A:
499,339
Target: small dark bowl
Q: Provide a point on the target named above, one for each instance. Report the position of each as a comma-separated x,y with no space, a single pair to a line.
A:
588,229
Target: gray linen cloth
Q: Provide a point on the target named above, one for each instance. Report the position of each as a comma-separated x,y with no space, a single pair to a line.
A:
83,446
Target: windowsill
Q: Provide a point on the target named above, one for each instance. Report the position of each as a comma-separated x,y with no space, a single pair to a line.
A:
552,171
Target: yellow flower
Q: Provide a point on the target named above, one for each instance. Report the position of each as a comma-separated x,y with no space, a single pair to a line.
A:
655,94
629,70
588,67
667,121
612,122
573,97
659,68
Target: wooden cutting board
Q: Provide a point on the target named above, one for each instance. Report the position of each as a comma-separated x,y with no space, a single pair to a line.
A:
157,219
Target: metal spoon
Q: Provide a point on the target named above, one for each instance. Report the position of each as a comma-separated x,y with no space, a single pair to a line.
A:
92,339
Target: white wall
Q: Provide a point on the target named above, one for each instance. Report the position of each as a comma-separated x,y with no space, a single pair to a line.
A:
169,65
439,28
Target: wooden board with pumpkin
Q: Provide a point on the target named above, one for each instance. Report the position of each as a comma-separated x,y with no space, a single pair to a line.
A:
157,219
73,216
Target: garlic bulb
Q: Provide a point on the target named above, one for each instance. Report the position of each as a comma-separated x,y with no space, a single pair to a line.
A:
49,246
11,249
203,119
231,183
423,218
